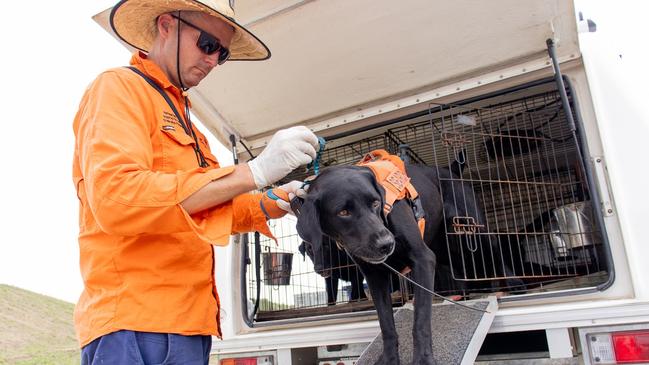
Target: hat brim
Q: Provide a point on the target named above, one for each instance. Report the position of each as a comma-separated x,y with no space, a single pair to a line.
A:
134,22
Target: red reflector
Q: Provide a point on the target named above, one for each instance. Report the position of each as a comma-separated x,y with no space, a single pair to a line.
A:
631,347
241,361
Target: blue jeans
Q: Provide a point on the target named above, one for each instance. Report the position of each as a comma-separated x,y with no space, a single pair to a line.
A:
146,348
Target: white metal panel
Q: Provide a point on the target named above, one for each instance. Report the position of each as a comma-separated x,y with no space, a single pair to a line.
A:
618,92
330,57
559,344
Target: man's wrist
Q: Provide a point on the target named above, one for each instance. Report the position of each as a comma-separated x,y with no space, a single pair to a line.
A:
257,174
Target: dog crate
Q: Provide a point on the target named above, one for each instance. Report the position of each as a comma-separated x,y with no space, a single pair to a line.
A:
520,158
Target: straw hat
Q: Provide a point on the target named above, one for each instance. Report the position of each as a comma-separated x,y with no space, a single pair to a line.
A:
134,21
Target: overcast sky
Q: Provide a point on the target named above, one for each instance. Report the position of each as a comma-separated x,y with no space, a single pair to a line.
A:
51,51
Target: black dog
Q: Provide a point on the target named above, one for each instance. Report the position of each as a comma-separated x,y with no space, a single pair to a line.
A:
345,203
334,265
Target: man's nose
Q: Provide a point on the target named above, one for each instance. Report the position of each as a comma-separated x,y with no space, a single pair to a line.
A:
212,60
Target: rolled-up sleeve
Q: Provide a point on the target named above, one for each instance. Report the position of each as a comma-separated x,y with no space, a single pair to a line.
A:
241,215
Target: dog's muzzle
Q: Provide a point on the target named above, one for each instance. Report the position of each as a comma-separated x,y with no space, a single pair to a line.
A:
382,260
379,252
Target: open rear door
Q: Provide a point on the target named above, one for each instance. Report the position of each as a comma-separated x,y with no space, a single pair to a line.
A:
330,57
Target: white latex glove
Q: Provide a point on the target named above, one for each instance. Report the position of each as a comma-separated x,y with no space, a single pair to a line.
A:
293,188
287,150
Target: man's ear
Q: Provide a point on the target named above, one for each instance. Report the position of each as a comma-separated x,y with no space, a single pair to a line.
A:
164,24
308,227
379,189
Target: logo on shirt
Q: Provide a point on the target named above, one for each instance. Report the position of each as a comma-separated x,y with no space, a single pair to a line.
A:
169,118
168,128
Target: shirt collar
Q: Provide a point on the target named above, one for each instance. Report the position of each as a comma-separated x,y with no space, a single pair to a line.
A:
151,69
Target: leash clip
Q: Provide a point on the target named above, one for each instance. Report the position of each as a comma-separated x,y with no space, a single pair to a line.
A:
316,162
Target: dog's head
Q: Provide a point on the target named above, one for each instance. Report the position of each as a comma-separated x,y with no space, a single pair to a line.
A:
346,204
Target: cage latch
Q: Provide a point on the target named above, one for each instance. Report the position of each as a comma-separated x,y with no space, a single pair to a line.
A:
453,139
467,226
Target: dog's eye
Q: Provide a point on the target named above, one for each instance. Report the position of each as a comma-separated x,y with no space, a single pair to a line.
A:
376,204
344,213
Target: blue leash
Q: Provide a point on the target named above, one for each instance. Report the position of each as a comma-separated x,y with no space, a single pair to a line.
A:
296,203
316,162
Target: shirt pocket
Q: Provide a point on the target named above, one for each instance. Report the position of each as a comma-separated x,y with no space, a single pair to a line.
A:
177,149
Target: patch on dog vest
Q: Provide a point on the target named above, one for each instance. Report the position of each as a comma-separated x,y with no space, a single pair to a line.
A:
397,179
390,172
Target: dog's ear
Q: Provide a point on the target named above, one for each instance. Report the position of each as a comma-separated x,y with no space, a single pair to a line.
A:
308,222
381,192
308,227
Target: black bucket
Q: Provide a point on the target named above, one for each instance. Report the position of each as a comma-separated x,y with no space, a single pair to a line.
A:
277,268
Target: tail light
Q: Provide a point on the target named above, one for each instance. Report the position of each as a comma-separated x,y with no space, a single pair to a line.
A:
628,347
631,347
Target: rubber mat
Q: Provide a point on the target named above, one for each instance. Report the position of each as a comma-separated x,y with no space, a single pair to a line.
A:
458,333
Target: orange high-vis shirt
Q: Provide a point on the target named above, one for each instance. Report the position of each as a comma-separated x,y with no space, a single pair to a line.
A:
146,264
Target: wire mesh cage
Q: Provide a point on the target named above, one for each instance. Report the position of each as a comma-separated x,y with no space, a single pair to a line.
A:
533,228
299,291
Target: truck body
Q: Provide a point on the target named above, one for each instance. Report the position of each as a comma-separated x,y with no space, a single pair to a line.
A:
552,142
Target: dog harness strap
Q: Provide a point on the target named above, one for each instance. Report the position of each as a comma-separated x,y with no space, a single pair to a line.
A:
390,172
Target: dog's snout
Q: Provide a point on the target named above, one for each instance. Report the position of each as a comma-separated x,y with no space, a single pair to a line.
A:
384,243
385,248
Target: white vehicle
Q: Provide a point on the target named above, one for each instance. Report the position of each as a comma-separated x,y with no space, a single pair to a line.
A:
517,91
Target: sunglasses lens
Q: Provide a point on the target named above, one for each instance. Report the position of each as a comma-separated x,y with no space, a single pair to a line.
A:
208,44
224,55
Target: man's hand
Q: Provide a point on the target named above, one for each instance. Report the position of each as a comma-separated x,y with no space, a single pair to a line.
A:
287,150
276,202
294,189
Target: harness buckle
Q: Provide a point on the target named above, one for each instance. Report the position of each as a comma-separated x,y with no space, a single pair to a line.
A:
417,208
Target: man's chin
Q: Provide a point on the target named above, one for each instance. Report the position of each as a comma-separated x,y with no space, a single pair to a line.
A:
191,82
194,78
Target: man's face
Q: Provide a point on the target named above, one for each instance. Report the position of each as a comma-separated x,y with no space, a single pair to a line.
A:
194,63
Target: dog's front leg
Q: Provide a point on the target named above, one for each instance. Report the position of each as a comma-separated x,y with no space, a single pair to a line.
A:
423,271
378,280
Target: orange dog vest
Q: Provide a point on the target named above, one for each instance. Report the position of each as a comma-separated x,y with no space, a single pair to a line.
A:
390,172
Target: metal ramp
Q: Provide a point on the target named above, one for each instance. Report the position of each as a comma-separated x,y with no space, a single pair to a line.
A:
458,333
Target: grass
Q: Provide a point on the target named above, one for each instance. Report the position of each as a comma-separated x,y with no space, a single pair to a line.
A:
35,329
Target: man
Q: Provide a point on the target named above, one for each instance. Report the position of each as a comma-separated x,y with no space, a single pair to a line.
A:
153,199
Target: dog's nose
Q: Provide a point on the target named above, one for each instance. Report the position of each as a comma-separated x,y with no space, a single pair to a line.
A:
385,249
385,244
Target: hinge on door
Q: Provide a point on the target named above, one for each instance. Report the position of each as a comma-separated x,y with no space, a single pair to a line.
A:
602,183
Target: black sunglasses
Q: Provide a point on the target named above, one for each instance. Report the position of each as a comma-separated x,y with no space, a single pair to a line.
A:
208,43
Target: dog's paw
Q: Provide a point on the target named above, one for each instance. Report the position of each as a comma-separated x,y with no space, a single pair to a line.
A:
424,360
388,359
